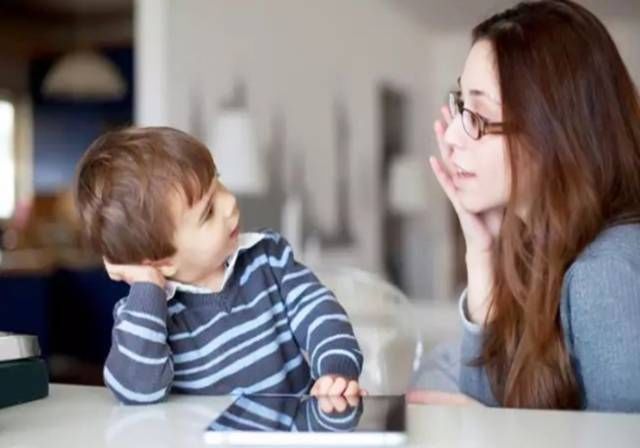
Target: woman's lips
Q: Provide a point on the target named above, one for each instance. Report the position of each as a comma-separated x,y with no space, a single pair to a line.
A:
461,176
464,175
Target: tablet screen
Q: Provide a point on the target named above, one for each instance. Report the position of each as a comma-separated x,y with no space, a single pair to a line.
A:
257,417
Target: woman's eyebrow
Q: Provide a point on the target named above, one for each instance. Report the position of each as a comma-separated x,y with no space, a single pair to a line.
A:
479,93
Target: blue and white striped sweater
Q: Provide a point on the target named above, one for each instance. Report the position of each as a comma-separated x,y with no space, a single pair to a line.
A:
272,329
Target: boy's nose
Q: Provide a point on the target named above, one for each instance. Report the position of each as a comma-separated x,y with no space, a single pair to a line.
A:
231,205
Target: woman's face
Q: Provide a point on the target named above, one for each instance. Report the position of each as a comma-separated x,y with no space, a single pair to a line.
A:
481,167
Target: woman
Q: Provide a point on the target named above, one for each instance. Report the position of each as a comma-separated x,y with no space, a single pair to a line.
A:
540,157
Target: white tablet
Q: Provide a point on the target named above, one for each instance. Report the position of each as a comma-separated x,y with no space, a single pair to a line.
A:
286,420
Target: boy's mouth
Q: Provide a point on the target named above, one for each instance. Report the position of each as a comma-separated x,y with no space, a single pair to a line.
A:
235,232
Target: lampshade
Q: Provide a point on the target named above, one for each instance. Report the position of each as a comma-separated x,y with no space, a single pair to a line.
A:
234,147
408,185
84,75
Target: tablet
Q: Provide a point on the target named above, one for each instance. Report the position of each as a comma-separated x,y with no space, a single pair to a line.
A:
288,420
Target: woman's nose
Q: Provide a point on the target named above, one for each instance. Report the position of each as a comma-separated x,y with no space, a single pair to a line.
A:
455,136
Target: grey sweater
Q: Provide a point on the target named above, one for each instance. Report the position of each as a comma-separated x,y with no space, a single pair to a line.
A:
600,316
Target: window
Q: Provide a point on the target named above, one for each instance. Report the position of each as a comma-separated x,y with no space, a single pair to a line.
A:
7,158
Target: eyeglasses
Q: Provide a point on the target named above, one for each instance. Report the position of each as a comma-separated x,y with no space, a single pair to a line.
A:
476,126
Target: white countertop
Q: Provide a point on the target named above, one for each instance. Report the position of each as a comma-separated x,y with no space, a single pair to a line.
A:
80,416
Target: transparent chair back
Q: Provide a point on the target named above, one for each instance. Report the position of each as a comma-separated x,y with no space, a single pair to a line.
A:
385,324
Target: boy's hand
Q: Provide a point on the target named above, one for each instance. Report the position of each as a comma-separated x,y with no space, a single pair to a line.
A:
334,385
133,273
329,405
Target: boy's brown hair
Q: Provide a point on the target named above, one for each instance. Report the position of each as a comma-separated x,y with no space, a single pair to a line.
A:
124,184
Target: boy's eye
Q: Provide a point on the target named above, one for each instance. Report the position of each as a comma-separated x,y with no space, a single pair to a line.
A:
209,212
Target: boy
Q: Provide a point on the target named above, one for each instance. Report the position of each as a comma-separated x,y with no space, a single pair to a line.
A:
210,310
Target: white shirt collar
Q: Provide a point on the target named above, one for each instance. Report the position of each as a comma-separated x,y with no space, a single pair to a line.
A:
245,241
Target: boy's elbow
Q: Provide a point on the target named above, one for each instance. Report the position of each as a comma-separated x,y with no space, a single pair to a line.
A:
130,390
132,398
133,402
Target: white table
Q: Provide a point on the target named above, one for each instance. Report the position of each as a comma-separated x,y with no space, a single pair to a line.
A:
79,416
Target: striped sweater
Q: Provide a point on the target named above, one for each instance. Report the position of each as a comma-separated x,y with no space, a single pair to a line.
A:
273,328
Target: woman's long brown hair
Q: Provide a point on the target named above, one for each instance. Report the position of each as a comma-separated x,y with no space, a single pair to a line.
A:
575,164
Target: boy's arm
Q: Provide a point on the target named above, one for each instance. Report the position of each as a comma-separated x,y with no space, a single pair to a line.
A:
139,366
319,323
258,413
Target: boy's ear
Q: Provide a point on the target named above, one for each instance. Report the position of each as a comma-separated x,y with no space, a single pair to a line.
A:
166,266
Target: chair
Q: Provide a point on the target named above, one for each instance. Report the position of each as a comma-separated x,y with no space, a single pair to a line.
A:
384,323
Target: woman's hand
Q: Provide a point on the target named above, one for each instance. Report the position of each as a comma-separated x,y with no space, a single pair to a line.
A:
480,230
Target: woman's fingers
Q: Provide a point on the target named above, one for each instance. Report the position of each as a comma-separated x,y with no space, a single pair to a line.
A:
475,230
444,179
439,128
478,230
446,114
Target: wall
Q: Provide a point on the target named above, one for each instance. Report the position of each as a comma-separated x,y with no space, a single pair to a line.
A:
447,47
61,134
64,129
296,58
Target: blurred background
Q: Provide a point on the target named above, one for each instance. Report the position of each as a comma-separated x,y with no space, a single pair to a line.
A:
318,112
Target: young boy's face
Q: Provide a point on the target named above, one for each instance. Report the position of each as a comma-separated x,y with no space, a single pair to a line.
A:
206,234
